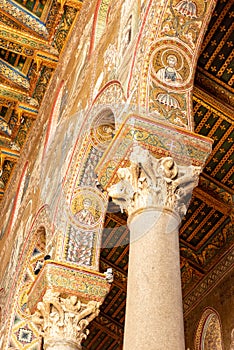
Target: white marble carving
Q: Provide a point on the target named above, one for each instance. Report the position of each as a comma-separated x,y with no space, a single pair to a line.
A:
109,275
64,319
152,182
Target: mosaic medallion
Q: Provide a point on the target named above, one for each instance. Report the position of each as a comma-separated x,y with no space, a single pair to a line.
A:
87,208
170,65
25,335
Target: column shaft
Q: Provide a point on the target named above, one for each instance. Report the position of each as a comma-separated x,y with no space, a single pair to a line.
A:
154,316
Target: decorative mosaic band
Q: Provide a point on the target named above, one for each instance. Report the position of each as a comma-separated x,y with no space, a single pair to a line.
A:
86,285
24,16
28,110
50,59
159,138
9,153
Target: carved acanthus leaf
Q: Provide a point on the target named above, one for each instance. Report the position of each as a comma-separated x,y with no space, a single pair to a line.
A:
60,317
149,181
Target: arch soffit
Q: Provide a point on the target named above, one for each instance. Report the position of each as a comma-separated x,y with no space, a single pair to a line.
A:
103,111
152,33
40,225
99,23
36,237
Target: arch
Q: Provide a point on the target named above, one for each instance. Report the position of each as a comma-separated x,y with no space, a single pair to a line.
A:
54,116
129,24
99,23
22,187
14,206
81,235
103,128
21,331
110,96
209,332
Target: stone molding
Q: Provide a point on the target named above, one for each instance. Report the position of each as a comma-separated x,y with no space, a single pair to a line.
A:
87,285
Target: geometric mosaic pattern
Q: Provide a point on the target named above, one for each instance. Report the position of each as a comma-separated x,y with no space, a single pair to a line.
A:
80,244
25,335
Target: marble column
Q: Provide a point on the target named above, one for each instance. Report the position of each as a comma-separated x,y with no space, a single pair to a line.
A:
155,193
154,300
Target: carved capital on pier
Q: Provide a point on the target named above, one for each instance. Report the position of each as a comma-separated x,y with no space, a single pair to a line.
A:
64,320
63,300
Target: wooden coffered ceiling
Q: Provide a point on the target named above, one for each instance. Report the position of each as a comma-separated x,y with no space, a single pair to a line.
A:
28,56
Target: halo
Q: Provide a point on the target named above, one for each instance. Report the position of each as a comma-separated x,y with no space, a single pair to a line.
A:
169,52
96,209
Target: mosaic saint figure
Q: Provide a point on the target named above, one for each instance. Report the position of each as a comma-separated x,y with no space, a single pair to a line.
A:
169,74
84,215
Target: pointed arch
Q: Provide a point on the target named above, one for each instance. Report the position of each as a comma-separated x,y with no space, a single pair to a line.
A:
54,117
99,23
14,205
209,332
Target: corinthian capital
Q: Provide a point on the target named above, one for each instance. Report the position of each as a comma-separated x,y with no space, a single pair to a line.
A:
63,321
152,182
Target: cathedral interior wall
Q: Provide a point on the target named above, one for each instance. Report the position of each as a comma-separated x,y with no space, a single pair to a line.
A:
219,300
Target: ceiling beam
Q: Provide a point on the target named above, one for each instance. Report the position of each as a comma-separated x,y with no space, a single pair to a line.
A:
77,4
214,202
28,43
24,17
14,94
10,73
